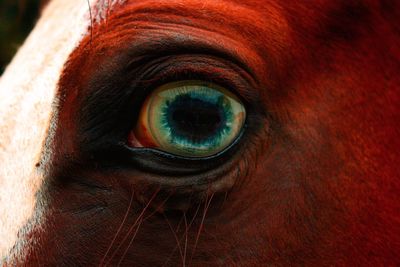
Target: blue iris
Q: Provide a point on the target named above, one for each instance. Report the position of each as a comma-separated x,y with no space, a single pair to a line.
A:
197,118
190,118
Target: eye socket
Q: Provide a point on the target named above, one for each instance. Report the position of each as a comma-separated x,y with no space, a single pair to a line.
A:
189,118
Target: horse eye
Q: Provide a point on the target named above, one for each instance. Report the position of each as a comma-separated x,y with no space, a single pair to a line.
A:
189,118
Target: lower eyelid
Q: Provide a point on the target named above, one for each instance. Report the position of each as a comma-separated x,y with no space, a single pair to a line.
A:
159,162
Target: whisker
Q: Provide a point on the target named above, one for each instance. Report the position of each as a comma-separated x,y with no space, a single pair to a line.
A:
130,242
177,229
170,256
195,215
206,206
140,222
140,217
159,206
178,243
225,199
186,239
119,229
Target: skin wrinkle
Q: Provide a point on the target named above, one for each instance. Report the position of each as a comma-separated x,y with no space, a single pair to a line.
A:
315,184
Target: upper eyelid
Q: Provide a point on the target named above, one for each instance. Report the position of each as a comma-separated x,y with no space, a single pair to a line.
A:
172,46
193,62
148,71
150,47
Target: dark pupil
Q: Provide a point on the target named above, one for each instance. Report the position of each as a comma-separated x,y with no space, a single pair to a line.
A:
194,119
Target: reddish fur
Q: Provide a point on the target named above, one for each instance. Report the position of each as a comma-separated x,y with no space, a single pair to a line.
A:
319,190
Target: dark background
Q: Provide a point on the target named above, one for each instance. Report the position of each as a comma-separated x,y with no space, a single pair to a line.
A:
17,18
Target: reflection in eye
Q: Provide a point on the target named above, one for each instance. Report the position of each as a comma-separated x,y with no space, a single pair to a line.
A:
190,118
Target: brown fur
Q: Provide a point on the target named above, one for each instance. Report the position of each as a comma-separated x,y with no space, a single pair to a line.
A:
313,181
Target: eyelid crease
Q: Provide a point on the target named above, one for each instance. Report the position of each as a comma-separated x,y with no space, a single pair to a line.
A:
158,48
203,66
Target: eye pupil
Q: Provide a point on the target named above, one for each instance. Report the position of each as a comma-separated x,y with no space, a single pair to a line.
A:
193,118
